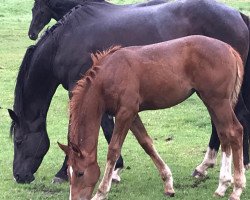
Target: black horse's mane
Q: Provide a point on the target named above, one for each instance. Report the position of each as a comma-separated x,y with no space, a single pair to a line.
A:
25,66
85,8
22,74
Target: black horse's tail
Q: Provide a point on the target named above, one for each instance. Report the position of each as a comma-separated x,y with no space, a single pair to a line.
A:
246,82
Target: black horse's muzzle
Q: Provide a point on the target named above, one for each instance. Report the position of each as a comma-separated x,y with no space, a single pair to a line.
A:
33,36
24,178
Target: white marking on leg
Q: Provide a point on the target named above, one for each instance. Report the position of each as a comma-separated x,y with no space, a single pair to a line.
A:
165,172
225,174
238,187
208,162
115,176
105,184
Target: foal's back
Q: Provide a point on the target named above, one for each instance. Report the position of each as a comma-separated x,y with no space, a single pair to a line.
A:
164,74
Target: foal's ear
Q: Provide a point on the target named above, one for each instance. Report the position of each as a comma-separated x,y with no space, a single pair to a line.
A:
76,149
65,148
13,116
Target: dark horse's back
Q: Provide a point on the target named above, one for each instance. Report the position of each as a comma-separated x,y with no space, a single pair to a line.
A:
97,26
62,55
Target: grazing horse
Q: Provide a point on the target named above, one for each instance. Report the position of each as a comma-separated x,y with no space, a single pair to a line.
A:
126,81
45,10
42,13
62,55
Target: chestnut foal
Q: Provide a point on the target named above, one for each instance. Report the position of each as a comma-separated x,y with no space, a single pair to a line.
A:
125,81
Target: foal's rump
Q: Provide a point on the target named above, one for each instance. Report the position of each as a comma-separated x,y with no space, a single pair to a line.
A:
173,70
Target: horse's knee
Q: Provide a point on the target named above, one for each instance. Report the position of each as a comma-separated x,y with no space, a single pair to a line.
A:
113,154
236,135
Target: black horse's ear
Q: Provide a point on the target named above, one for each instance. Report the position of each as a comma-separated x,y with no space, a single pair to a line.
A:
13,116
65,148
76,149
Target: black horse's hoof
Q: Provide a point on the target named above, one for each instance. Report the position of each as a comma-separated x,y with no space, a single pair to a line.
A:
247,167
169,194
57,180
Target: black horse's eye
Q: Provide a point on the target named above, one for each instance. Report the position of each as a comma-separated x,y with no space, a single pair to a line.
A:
18,142
79,174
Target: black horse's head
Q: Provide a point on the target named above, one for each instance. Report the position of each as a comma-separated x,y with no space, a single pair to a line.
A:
41,16
29,148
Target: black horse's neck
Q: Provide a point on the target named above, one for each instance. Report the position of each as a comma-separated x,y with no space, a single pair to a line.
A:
35,88
61,7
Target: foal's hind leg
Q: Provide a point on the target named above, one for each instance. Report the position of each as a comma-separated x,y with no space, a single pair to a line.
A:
230,133
146,142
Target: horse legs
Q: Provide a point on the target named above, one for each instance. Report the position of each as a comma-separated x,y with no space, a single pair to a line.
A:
214,143
230,133
146,143
124,119
62,176
210,156
107,125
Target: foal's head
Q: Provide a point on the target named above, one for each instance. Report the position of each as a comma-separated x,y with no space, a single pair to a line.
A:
83,172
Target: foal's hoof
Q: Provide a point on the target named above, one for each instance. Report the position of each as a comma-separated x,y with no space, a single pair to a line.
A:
198,175
233,198
169,194
57,180
218,194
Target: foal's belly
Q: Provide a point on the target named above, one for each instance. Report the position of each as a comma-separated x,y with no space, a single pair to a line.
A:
165,95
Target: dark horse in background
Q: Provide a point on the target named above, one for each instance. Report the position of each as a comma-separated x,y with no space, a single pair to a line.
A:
63,54
45,10
42,12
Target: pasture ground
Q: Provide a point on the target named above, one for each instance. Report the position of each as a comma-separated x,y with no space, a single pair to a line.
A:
188,126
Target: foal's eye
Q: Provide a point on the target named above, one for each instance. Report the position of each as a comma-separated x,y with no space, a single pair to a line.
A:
79,174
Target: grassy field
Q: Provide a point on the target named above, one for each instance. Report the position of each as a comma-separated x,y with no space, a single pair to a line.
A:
188,124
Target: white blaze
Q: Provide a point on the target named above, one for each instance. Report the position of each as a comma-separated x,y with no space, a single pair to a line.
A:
71,174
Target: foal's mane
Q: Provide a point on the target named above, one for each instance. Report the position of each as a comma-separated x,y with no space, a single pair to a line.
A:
79,91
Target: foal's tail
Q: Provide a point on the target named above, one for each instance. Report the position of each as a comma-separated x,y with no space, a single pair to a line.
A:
239,76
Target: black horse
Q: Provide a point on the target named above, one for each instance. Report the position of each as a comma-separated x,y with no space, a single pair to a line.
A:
45,10
63,54
42,13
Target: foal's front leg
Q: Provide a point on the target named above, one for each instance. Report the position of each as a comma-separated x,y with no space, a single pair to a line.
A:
124,119
107,125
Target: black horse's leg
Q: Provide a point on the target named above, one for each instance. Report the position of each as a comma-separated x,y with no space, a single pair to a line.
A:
61,175
246,144
243,116
210,156
108,127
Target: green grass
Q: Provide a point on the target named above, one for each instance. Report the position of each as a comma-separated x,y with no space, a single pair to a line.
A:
188,124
